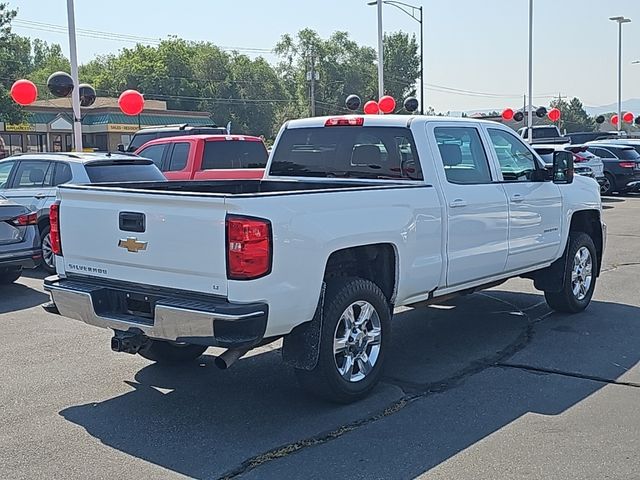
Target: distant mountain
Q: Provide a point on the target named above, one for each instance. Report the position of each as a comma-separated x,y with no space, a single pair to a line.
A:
631,105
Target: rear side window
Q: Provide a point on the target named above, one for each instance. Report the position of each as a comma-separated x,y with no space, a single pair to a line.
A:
62,174
5,171
232,154
347,152
123,172
626,153
463,156
179,156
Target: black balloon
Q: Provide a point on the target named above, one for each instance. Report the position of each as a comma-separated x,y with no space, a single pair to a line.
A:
353,102
411,104
541,112
518,116
60,84
637,120
87,95
600,119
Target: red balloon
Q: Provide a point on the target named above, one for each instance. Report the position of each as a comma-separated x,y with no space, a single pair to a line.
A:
507,114
371,107
554,114
628,117
387,104
131,102
614,120
24,92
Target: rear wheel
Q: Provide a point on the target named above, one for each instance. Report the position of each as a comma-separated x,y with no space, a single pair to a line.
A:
353,341
579,276
162,351
48,258
9,275
608,185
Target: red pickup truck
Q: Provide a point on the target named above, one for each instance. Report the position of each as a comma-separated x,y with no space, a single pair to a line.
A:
207,157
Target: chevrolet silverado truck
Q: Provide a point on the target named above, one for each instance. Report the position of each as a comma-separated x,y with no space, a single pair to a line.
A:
357,215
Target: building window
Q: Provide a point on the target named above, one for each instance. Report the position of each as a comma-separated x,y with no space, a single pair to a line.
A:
10,143
36,142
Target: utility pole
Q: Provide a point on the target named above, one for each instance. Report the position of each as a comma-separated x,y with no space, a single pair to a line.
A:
380,52
75,94
312,77
530,113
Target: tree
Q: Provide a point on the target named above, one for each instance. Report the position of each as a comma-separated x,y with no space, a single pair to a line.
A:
574,117
14,62
401,65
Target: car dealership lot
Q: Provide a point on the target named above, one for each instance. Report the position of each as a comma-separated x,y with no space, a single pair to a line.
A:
486,386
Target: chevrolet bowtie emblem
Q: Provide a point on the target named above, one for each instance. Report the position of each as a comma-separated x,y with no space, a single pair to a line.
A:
132,244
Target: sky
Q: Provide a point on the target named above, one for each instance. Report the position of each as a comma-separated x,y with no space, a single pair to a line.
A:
476,51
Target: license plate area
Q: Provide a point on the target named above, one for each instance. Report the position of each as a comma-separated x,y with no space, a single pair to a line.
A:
127,306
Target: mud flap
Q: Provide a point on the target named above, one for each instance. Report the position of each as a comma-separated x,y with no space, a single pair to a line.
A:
301,348
552,278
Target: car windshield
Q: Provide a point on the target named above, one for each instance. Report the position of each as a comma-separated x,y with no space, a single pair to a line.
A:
348,152
101,172
140,139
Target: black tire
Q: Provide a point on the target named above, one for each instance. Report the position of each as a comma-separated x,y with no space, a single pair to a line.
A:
610,186
566,301
161,351
325,379
45,242
10,275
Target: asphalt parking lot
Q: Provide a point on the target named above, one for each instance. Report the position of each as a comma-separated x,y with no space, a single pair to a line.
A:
489,386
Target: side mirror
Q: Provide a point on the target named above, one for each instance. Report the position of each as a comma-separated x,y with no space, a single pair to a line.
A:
120,147
563,167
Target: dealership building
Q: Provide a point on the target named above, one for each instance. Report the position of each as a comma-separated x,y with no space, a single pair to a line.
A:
48,126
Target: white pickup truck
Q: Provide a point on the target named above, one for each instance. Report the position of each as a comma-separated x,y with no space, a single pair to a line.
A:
357,215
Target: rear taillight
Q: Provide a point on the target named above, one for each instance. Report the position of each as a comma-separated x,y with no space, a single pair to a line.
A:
26,219
578,159
627,164
54,231
249,248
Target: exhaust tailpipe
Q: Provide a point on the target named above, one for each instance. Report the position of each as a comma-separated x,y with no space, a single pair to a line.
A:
230,356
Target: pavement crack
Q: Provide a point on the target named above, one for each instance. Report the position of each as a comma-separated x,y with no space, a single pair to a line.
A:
615,266
554,371
411,393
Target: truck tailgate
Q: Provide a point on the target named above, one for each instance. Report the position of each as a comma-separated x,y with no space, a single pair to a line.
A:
172,241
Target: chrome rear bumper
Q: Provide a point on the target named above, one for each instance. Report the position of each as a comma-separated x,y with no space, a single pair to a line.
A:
166,316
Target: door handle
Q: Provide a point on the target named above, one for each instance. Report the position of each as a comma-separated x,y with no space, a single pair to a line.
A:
457,203
517,198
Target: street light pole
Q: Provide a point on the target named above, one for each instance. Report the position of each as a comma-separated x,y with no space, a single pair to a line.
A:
620,21
530,112
380,52
421,62
75,94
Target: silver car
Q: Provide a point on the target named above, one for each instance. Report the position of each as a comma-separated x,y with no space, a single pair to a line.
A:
19,241
31,180
581,158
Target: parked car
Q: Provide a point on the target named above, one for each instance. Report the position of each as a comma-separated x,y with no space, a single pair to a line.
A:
208,157
31,180
628,142
580,138
621,166
19,241
357,215
585,163
147,134
543,134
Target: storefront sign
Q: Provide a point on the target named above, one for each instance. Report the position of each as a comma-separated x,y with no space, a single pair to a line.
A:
119,127
19,127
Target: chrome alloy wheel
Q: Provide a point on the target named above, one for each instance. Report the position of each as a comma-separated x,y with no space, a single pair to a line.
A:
582,273
47,252
356,343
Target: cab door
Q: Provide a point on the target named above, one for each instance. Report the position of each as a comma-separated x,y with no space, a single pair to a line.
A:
32,185
477,213
535,206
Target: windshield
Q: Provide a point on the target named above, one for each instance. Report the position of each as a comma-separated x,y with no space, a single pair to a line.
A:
232,154
123,172
348,152
140,139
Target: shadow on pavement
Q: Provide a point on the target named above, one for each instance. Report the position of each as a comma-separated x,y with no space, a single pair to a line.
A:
16,297
205,423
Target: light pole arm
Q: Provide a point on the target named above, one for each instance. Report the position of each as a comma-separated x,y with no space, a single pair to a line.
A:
401,6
